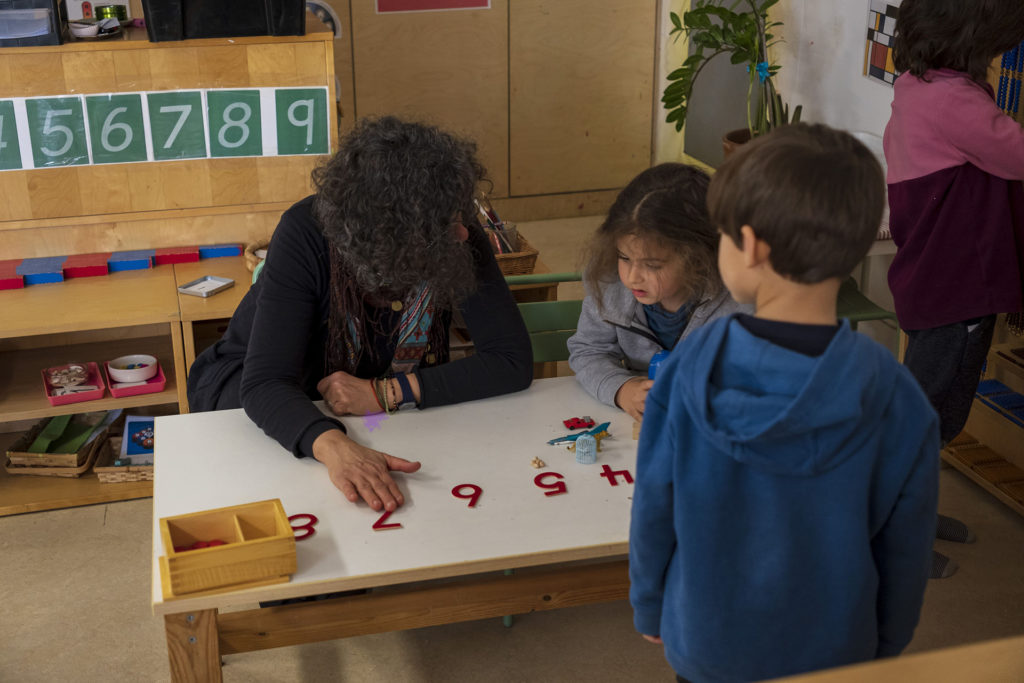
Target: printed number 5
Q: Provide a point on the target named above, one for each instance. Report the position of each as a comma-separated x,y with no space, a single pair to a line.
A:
50,129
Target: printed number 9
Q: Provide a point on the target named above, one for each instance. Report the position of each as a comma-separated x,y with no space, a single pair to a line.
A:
230,122
307,122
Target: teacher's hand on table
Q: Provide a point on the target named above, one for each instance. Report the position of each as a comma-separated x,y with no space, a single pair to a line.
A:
347,395
361,472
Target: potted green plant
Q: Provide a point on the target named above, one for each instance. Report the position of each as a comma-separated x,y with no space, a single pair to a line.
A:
743,31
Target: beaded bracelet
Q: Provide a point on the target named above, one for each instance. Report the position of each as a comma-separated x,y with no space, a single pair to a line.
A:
373,387
380,391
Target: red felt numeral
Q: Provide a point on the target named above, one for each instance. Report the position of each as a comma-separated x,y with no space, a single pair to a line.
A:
610,474
379,525
555,487
473,497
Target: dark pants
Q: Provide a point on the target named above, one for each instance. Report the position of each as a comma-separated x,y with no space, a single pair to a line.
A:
947,363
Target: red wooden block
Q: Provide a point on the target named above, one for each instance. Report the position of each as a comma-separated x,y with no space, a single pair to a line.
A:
86,265
175,255
9,278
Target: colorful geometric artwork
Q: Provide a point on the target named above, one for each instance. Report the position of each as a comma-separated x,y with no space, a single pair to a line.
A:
878,63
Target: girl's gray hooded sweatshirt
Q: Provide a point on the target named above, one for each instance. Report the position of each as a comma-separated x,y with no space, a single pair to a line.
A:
613,342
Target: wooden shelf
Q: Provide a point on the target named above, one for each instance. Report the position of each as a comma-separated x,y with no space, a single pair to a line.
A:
134,297
23,398
25,493
978,463
1006,366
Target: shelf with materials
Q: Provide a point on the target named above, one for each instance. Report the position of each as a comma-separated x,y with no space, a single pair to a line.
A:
80,320
990,451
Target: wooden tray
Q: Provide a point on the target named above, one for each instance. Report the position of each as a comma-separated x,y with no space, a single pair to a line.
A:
78,471
258,549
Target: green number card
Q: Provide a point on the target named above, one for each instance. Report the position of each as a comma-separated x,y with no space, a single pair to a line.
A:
176,120
301,121
116,129
56,127
235,125
10,150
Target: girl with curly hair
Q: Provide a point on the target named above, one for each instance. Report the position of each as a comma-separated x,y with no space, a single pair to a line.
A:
652,279
355,301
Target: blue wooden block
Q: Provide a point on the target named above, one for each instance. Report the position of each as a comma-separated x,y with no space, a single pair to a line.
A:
218,250
38,271
1008,402
992,386
131,260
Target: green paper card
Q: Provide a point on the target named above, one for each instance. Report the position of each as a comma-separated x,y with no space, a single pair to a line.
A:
301,121
235,124
176,120
56,127
10,149
116,130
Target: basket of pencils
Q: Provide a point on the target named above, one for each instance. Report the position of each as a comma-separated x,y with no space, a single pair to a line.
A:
520,262
515,256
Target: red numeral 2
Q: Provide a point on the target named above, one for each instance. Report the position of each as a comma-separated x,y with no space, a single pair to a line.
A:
380,525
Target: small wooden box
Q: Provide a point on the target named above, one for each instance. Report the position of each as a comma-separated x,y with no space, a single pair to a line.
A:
259,549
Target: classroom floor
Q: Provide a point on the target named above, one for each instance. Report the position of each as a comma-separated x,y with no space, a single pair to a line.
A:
75,587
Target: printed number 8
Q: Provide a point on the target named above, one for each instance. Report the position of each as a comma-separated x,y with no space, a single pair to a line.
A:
229,122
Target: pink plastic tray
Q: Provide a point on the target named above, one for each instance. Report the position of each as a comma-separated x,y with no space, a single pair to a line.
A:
153,385
95,378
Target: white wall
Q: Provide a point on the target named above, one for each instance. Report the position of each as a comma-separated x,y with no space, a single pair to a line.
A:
822,60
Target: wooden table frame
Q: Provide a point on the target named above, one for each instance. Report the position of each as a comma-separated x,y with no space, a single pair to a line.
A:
197,639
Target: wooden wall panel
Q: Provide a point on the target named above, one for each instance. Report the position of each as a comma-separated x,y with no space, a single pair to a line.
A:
445,68
581,84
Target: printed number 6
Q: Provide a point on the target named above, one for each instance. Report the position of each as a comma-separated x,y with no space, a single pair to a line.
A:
109,126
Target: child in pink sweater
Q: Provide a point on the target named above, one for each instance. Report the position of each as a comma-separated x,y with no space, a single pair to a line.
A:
955,162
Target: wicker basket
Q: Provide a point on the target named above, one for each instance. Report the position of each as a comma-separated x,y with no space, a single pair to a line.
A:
520,262
108,473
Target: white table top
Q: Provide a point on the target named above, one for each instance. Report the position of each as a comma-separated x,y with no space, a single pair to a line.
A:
210,460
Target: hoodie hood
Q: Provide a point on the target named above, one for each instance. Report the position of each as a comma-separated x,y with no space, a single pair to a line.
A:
762,405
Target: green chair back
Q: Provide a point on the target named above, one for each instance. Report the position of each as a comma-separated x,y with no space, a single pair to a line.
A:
550,323
856,307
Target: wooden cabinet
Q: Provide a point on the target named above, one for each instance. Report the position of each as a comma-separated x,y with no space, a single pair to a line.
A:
558,94
111,207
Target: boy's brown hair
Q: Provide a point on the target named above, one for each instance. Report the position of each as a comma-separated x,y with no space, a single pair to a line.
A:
814,194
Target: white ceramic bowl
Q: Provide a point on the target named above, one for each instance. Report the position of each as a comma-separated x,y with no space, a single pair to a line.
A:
84,30
134,368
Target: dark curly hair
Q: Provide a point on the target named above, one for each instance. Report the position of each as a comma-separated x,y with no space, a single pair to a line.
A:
666,204
387,201
964,35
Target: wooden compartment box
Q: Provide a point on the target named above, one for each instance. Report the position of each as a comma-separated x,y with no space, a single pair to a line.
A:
259,549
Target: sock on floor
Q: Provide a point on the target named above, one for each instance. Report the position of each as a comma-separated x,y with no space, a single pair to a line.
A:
950,529
942,567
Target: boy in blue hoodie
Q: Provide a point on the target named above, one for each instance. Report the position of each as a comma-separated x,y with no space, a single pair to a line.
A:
787,474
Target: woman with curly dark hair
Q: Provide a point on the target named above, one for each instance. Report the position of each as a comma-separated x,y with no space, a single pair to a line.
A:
355,301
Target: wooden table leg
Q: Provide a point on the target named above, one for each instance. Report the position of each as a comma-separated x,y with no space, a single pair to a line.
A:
192,646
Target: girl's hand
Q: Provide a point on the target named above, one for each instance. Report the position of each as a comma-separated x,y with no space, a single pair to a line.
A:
654,639
361,472
632,395
348,395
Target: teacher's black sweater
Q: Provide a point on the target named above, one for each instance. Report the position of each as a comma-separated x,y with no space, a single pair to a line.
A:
277,340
